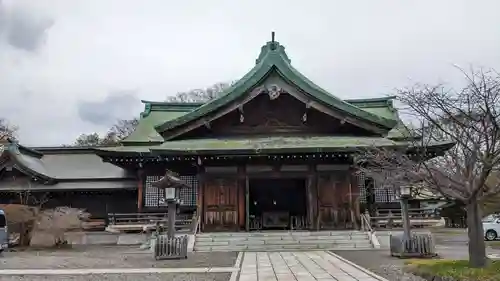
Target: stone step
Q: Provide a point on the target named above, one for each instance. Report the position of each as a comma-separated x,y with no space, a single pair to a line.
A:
287,237
280,242
270,241
284,241
231,248
282,233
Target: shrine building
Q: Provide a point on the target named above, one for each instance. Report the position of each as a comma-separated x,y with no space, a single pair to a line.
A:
274,151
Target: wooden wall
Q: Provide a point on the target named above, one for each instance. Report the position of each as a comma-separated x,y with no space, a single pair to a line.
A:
97,203
332,200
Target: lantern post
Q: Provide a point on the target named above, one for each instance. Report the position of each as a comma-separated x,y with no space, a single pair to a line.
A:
405,195
170,183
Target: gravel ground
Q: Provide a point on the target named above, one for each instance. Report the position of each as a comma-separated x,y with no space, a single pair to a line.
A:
123,277
381,263
108,257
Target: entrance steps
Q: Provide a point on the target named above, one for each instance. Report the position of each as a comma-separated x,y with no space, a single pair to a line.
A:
282,241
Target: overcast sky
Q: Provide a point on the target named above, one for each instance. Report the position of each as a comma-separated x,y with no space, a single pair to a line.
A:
75,66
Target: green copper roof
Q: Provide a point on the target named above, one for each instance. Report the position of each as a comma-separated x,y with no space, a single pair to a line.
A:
156,113
384,107
128,149
270,144
274,58
254,145
264,145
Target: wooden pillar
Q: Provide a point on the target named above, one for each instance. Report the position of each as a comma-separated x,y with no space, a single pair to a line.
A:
140,189
312,198
241,196
315,196
200,201
247,203
354,196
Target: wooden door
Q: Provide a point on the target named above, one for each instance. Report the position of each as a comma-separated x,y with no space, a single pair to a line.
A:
333,201
221,204
326,202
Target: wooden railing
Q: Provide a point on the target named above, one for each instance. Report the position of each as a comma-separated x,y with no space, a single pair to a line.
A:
195,223
94,225
147,221
365,223
390,218
413,213
145,218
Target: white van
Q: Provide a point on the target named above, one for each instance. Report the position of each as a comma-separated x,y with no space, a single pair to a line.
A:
491,226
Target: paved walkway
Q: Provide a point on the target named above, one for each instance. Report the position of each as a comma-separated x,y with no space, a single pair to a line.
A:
301,266
84,271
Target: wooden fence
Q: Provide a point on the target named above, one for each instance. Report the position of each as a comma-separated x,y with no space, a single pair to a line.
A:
391,218
148,221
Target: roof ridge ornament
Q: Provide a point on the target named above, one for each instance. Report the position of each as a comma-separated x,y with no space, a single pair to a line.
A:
273,48
273,43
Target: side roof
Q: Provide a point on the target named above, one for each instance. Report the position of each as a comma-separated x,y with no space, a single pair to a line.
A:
61,163
156,113
273,57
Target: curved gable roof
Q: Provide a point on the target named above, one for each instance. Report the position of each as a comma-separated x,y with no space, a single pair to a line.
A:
273,57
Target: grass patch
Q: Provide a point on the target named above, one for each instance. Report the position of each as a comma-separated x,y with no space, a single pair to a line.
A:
493,244
457,270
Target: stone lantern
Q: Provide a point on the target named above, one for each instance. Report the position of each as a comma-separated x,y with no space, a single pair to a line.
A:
171,183
405,194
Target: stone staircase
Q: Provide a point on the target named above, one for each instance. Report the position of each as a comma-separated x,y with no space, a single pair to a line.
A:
282,241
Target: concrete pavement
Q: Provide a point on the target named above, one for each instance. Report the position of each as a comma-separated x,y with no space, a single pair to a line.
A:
249,266
301,266
85,271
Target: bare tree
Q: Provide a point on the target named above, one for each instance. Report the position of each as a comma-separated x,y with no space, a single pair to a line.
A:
119,131
23,213
201,95
123,128
6,130
469,118
88,140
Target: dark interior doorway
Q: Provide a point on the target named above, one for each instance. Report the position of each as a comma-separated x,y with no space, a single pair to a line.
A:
275,203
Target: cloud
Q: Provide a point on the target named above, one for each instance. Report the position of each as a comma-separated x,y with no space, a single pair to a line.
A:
22,28
116,105
60,60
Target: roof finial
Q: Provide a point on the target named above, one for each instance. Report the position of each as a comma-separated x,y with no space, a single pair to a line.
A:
272,36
